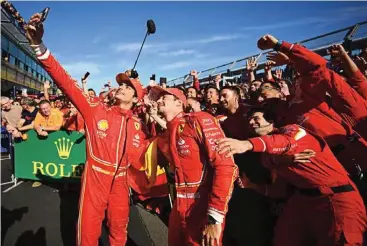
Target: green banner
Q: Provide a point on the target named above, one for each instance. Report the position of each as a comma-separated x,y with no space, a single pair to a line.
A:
58,157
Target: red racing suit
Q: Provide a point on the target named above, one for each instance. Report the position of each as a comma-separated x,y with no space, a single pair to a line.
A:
345,100
204,179
114,139
326,208
314,113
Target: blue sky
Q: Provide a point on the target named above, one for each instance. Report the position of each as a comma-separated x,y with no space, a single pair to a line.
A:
104,37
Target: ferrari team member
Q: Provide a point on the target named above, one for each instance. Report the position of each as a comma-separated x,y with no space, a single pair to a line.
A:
114,140
349,102
326,208
204,179
248,218
309,108
320,79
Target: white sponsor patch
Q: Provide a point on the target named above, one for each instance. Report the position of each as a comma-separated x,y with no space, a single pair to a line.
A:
212,134
208,122
210,129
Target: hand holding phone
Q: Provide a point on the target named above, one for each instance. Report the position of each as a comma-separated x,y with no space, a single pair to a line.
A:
84,78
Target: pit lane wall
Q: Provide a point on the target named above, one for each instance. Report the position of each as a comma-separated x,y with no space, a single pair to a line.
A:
59,157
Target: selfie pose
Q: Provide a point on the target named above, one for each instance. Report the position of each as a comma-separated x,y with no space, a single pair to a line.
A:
115,139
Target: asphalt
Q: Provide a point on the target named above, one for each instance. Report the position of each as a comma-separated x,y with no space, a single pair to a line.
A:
42,216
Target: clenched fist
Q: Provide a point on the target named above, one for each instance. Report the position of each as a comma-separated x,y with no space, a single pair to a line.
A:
267,42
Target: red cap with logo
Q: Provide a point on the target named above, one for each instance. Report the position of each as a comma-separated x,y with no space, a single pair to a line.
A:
172,91
134,83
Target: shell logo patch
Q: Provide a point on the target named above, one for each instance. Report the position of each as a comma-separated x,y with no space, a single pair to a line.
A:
102,125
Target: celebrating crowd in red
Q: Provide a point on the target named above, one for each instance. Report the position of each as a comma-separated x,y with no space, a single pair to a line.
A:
269,161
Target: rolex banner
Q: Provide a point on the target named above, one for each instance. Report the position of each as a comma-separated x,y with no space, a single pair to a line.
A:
59,157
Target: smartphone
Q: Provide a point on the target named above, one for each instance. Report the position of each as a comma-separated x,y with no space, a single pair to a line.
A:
44,14
152,77
86,75
162,80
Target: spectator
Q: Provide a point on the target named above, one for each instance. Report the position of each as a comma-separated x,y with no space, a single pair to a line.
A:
91,92
10,114
191,92
73,120
284,86
212,100
255,85
29,113
251,65
195,82
47,119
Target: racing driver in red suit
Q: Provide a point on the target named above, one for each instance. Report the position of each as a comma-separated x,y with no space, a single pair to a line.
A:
114,139
326,207
204,179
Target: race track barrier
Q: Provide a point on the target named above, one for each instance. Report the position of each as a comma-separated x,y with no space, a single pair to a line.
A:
59,157
5,141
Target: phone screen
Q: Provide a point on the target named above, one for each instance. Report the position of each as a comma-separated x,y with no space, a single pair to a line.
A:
44,14
86,75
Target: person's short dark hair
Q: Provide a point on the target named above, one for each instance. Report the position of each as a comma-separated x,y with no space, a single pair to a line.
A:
271,85
41,95
27,101
182,89
211,86
44,102
256,80
235,90
269,114
90,89
191,87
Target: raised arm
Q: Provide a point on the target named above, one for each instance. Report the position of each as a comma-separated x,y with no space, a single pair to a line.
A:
34,33
195,83
46,87
355,78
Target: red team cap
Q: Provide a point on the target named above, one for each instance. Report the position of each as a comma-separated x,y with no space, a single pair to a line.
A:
134,83
172,91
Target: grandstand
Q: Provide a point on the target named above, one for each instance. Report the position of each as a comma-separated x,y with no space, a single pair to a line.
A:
353,37
19,67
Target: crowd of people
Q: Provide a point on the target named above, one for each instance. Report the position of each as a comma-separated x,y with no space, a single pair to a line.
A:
268,161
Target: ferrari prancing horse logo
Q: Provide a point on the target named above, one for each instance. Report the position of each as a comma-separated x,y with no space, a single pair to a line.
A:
137,125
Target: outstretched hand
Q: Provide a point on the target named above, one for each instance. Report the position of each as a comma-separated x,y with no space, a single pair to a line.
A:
278,58
230,146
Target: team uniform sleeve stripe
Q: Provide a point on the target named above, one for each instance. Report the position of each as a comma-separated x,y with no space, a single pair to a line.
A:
258,144
45,55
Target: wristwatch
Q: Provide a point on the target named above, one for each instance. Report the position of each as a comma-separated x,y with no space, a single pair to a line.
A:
277,45
212,221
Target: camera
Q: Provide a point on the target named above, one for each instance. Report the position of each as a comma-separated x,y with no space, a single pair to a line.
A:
134,74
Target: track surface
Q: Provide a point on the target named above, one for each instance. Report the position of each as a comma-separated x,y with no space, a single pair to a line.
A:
39,216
